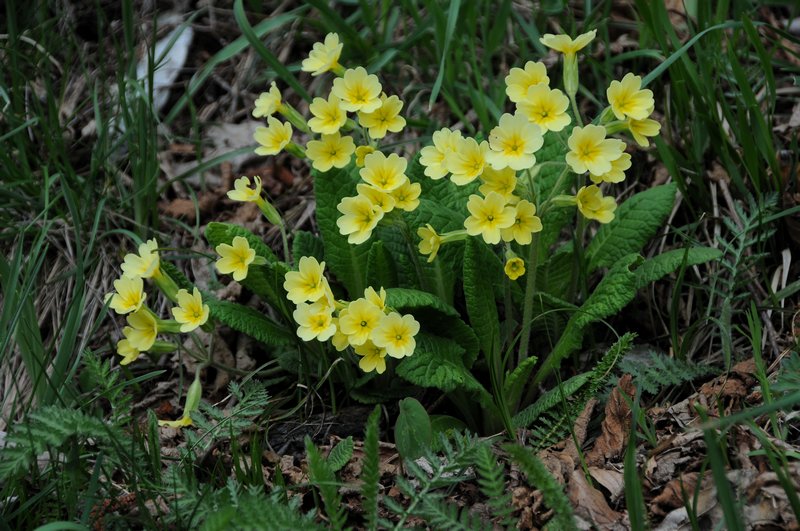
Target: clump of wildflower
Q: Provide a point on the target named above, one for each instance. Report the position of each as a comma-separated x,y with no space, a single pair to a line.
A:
383,119
330,151
373,358
382,172
145,264
361,154
434,158
569,47
628,99
142,329
488,216
324,56
360,217
235,259
396,333
128,352
308,283
361,318
525,223
128,295
467,161
593,205
545,107
357,90
617,172
315,321
641,129
513,143
191,312
329,116
430,242
514,268
504,182
273,138
380,198
591,151
406,196
268,102
520,80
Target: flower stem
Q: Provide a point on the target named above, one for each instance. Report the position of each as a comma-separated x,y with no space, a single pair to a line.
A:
530,289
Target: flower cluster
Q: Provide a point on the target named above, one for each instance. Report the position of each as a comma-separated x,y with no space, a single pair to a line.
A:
504,211
144,325
367,324
375,114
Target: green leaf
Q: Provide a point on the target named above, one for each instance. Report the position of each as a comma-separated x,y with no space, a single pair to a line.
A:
381,269
307,244
636,221
340,454
322,476
482,270
346,261
665,263
516,380
412,431
612,294
550,399
436,315
249,321
439,362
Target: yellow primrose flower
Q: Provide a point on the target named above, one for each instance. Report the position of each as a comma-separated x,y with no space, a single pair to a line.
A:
545,107
235,258
315,320
128,296
143,329
361,154
430,242
591,151
385,173
191,312
375,297
433,157
128,352
360,217
396,334
145,264
384,200
641,129
406,195
526,222
504,182
242,191
565,45
514,268
272,139
329,116
373,358
488,216
358,90
617,172
628,99
306,284
330,151
519,80
323,56
384,118
467,161
339,338
268,102
513,143
593,205
361,318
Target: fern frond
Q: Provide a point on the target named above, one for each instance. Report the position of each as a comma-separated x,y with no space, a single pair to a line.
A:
322,477
370,471
492,482
340,454
448,516
657,371
50,427
552,491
